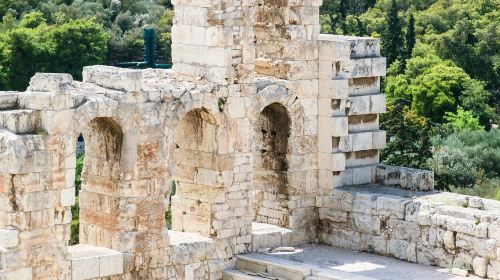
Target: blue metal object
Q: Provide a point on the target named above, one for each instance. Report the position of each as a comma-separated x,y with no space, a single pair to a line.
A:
149,54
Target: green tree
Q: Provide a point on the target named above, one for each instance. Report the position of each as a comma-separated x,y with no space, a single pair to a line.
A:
463,120
32,20
408,134
8,22
410,38
165,36
77,44
466,159
475,98
3,62
436,91
29,52
452,168
392,38
341,16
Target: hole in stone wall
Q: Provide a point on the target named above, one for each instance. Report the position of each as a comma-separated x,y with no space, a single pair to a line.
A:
99,212
270,167
366,82
75,209
363,122
335,142
360,119
336,104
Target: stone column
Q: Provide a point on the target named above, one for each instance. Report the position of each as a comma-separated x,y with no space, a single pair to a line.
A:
125,175
36,193
287,51
349,102
213,40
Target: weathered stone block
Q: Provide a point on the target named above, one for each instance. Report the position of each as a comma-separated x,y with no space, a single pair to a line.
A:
49,82
68,197
333,89
365,203
493,270
333,215
333,126
126,80
9,238
480,266
389,205
367,223
404,230
398,248
406,178
449,239
24,273
20,121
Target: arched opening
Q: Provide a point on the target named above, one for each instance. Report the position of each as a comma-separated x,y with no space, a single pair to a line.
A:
75,209
197,183
271,166
98,196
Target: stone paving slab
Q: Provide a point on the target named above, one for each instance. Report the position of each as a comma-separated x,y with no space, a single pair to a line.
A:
365,264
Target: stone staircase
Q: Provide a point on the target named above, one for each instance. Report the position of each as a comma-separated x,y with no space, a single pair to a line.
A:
264,267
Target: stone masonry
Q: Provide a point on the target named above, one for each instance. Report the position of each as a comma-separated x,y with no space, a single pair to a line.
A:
262,119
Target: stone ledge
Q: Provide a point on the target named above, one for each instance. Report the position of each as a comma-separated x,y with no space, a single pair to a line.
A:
20,121
269,236
127,80
9,100
50,82
339,47
355,68
88,262
406,178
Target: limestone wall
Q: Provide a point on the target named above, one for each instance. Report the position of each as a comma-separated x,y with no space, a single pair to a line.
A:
238,150
443,229
260,119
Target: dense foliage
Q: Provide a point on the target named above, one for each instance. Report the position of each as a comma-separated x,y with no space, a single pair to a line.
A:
468,160
65,35
75,209
442,84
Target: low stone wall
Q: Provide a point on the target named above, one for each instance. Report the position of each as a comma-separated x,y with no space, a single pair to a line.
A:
432,228
192,256
404,177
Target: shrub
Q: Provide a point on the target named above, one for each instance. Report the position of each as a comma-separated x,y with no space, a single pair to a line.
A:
465,159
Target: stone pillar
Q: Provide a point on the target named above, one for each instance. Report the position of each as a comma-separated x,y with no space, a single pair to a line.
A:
213,40
35,198
125,180
287,51
349,102
143,234
286,39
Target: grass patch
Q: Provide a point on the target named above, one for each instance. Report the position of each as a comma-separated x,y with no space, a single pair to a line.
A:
489,189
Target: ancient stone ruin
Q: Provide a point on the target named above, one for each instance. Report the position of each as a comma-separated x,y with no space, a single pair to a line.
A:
267,130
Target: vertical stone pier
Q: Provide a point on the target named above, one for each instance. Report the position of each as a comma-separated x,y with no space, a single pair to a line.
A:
350,103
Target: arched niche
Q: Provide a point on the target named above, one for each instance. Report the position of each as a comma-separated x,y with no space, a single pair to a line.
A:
272,133
198,185
99,194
